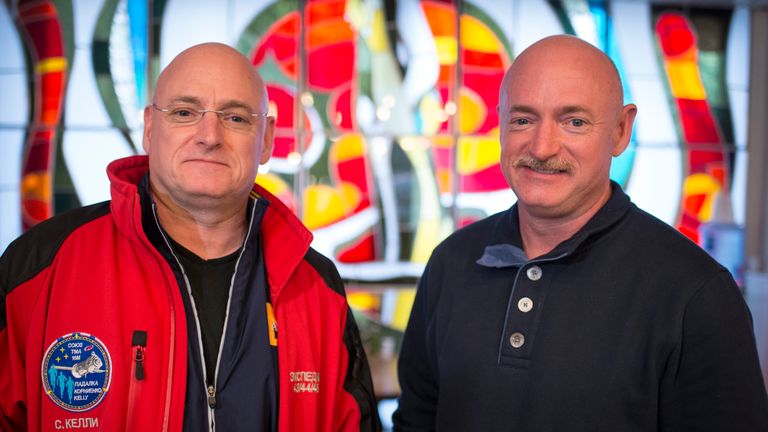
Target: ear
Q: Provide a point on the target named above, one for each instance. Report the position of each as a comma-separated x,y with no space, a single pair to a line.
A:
624,129
147,137
269,137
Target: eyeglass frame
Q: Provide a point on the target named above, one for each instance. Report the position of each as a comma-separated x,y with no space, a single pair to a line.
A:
219,113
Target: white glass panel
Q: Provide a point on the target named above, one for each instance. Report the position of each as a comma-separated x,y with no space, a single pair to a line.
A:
10,216
657,180
86,13
87,154
84,106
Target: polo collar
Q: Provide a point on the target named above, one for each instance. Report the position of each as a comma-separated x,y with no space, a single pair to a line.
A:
512,255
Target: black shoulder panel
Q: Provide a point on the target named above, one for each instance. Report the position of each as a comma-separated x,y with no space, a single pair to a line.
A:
327,270
358,381
35,249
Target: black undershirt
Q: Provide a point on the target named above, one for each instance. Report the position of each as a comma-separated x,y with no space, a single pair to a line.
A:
209,281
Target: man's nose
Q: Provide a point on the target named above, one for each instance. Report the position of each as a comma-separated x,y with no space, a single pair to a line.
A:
545,142
209,130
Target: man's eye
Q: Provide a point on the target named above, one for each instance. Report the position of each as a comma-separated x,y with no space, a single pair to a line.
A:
236,118
521,122
182,112
578,123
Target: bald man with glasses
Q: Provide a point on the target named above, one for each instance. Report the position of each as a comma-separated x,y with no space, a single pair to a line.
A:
192,300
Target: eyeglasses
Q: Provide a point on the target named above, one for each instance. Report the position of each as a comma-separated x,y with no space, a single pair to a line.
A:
239,119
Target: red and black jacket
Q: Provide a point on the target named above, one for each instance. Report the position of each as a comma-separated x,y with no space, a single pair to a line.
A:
93,326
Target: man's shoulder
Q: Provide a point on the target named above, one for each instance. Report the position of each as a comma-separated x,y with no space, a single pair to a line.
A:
661,244
36,248
660,233
326,269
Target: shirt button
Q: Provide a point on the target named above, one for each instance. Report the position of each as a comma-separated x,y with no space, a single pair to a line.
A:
517,340
525,304
534,273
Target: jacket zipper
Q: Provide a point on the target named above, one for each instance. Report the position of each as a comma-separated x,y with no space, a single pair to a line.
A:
210,389
169,382
171,330
197,321
138,344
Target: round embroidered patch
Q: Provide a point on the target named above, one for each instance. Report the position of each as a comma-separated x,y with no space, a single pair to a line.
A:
76,372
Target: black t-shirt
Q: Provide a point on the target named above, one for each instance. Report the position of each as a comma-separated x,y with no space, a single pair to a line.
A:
210,281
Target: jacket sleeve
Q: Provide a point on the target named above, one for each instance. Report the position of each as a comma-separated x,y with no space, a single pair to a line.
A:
12,377
713,380
358,381
417,367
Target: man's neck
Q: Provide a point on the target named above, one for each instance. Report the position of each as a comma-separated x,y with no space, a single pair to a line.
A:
210,232
541,235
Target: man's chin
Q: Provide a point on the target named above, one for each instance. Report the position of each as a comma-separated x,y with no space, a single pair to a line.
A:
204,194
544,205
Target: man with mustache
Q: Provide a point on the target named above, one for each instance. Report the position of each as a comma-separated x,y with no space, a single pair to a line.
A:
574,310
195,291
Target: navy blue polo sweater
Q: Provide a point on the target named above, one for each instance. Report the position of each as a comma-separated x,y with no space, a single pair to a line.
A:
626,326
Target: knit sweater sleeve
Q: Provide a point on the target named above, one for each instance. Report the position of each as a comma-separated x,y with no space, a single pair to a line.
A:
713,381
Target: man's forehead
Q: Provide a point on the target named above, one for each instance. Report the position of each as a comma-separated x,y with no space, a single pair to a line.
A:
557,109
191,99
206,91
209,71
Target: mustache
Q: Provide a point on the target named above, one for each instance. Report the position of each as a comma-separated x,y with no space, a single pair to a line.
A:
551,164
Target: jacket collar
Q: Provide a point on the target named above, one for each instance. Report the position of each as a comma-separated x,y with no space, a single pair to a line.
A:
285,239
512,255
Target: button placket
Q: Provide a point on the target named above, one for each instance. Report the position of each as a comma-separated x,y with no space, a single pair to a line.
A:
522,316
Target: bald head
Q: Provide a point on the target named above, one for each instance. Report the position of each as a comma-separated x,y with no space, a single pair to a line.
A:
576,57
213,61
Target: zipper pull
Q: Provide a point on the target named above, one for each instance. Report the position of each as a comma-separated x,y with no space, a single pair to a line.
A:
211,396
139,363
139,341
272,324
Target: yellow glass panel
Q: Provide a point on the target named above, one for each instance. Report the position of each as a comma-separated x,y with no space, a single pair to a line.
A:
475,36
348,147
52,64
36,185
378,42
684,80
363,301
446,49
350,195
442,141
702,184
403,308
444,179
478,153
473,111
272,183
324,205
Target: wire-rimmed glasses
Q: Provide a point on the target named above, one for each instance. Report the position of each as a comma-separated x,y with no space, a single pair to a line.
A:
239,119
